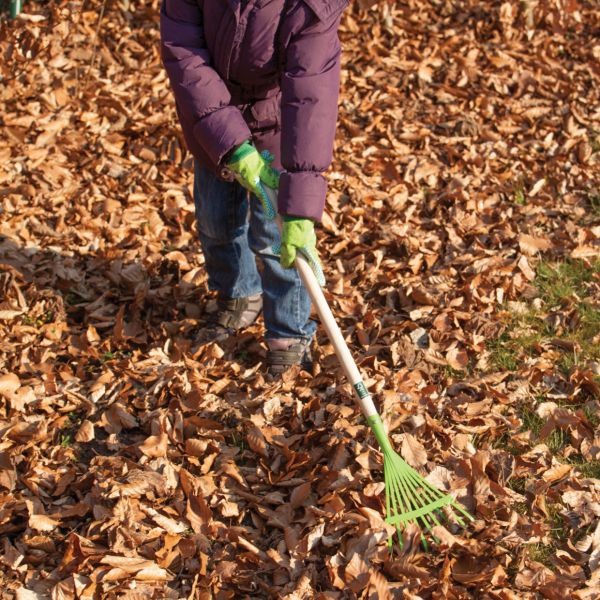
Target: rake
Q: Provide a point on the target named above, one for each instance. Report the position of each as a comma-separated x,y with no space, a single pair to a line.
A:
409,498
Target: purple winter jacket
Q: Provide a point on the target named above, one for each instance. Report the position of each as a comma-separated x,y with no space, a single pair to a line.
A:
262,69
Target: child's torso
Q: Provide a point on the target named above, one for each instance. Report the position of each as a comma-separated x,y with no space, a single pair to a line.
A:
244,39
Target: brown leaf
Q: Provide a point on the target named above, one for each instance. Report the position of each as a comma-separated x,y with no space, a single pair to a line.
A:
197,512
8,475
142,569
556,473
585,251
9,384
457,359
195,447
413,451
471,569
169,525
526,269
256,441
155,446
300,494
380,586
42,523
12,557
25,594
532,245
85,433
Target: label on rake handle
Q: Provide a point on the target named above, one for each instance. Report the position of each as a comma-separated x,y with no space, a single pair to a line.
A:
361,390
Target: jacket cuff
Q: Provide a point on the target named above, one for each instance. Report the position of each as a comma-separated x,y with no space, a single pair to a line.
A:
302,194
220,131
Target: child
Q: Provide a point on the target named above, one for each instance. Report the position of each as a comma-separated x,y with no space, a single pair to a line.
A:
251,76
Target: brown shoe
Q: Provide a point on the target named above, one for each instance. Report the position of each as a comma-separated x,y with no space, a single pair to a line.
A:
283,354
231,315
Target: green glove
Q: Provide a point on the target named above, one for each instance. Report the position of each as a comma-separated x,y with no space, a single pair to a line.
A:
299,235
253,171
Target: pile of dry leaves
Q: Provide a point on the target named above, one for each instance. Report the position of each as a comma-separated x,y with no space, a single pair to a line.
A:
468,149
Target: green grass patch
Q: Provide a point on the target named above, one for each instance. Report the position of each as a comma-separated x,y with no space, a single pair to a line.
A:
560,282
521,507
47,317
504,357
518,484
532,422
541,553
557,440
559,534
457,374
520,197
592,416
116,355
588,468
566,287
238,440
566,309
504,442
595,200
558,531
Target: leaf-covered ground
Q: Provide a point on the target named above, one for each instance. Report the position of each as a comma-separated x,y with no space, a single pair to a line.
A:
461,241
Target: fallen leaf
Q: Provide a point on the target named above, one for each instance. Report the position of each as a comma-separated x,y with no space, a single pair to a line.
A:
155,446
85,433
9,384
457,359
533,245
300,494
413,451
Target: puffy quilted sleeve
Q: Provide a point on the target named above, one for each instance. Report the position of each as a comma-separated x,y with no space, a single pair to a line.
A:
310,91
203,100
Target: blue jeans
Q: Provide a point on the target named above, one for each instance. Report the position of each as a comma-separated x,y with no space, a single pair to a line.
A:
233,232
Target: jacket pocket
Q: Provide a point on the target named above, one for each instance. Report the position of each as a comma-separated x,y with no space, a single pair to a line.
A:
265,114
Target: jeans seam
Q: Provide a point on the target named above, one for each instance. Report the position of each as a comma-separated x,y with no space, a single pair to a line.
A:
298,292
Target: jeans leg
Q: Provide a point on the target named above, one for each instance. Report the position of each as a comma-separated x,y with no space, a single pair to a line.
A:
286,303
222,217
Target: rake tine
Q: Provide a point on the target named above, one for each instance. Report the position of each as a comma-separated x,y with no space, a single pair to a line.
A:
432,491
459,508
452,504
411,505
442,514
388,510
418,482
424,517
400,501
428,490
413,482
396,503
417,491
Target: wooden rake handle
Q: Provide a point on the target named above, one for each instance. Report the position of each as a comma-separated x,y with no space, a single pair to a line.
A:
363,398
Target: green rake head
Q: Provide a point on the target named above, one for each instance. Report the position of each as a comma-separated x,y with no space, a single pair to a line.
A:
410,498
